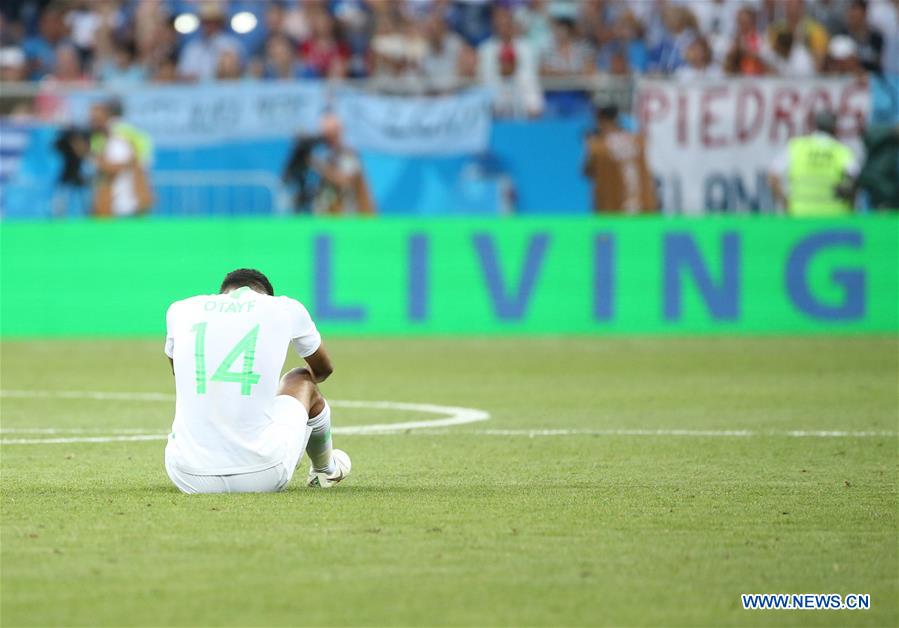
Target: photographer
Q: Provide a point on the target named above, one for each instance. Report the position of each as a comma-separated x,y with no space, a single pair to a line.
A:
72,197
616,164
327,174
122,154
299,176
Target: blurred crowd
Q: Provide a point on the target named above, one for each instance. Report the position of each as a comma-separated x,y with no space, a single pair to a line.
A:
435,45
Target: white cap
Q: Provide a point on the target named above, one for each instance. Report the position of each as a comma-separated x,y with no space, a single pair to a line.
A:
842,47
11,57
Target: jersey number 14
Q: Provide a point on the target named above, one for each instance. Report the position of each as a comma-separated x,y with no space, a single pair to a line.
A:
246,347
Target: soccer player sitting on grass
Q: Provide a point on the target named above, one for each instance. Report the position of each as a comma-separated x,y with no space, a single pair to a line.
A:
237,429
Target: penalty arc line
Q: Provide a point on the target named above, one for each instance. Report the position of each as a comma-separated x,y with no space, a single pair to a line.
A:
453,415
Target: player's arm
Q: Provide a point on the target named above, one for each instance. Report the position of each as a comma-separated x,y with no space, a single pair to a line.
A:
307,341
320,364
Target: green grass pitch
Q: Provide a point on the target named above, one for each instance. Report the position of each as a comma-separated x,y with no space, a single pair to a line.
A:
476,524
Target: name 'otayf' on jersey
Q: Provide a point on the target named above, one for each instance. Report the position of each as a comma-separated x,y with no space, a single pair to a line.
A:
228,351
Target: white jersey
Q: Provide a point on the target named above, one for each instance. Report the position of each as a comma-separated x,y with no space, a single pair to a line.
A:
228,352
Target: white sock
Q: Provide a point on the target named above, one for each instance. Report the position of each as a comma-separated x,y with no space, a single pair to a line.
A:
318,447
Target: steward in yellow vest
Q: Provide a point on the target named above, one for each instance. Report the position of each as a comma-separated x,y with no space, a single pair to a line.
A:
813,177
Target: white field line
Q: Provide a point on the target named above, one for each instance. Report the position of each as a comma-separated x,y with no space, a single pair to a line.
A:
86,394
78,430
457,416
116,437
81,439
452,415
689,433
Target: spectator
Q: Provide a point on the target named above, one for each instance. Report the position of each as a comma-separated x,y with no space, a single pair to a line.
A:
803,27
356,23
593,20
343,188
11,32
229,67
120,68
811,177
415,38
442,62
567,55
13,66
536,24
868,41
68,70
322,53
83,23
619,65
40,49
698,62
716,20
651,14
167,71
789,58
296,20
271,25
842,56
122,154
745,55
199,59
415,10
884,14
626,42
156,40
506,65
829,13
616,163
471,19
274,21
280,60
468,63
680,29
50,102
397,48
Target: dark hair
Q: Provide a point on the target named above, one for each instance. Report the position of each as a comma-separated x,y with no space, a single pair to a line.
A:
127,46
248,277
826,121
566,23
114,107
607,111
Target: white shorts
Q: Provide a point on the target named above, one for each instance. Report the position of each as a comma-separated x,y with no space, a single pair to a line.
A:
269,480
293,434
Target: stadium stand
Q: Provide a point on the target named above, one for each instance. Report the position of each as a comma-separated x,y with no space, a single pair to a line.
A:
544,63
